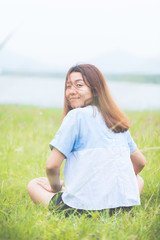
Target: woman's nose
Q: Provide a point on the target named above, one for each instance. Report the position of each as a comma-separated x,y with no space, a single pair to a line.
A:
72,89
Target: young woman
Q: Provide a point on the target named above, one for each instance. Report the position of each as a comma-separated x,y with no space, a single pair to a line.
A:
102,160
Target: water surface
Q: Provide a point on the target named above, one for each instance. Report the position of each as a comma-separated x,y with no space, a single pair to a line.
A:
47,92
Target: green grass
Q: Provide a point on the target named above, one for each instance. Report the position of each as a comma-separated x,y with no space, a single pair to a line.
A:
25,133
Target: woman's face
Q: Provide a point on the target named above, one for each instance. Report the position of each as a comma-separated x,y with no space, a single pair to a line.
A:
78,93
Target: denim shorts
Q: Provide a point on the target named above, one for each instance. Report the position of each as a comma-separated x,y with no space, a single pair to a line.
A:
56,204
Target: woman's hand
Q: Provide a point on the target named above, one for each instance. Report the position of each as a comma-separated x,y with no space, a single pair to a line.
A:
43,182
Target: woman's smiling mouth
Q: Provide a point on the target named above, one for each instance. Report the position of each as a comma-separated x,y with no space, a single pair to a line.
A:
73,99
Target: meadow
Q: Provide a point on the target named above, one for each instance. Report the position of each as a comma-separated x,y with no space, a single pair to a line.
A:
25,133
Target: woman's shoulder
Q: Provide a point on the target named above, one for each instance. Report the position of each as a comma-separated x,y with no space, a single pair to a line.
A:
82,111
73,113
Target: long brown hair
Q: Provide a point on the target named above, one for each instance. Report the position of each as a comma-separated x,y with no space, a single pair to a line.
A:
93,78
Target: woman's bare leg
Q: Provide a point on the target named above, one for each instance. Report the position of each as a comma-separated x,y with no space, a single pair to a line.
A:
37,189
140,184
38,193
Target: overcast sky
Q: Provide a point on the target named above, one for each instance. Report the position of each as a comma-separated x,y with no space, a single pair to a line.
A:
66,32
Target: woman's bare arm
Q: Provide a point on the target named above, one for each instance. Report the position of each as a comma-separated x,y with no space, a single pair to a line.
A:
138,161
53,164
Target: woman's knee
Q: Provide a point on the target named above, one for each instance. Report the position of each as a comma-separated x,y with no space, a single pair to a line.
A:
140,183
31,185
140,179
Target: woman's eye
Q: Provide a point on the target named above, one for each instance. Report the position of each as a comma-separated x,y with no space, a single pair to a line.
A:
68,86
79,85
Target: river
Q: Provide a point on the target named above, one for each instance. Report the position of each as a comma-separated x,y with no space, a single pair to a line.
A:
48,92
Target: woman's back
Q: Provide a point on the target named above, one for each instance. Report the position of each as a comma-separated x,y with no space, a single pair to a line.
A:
98,171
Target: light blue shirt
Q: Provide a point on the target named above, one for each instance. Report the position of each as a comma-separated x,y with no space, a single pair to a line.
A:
98,171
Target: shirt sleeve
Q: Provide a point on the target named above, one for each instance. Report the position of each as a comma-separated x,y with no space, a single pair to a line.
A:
67,134
132,145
